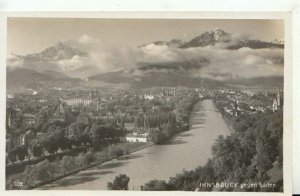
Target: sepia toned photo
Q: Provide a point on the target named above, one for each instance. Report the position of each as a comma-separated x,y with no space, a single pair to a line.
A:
144,104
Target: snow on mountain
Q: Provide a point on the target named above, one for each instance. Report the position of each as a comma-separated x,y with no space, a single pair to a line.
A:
57,52
208,38
278,41
174,43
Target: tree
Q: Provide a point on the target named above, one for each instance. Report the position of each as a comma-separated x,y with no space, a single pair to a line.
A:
120,183
84,160
44,170
114,151
168,130
156,185
12,154
156,136
50,144
22,152
67,164
37,150
70,117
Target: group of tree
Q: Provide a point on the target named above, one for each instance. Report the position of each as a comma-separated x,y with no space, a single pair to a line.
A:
184,107
120,183
154,120
175,111
100,133
17,153
47,170
58,137
185,181
165,131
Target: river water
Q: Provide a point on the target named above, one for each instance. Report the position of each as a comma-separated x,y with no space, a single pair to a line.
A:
187,150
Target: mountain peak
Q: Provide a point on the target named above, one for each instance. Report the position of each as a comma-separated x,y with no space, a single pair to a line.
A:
218,30
209,38
60,45
57,52
174,43
278,41
220,34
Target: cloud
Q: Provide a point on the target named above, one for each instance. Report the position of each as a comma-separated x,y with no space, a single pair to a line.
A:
223,64
14,61
74,63
86,39
220,64
243,63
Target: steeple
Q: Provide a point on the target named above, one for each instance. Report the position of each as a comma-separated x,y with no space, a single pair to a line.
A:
278,99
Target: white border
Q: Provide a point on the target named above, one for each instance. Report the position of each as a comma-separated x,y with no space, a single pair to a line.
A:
149,5
207,15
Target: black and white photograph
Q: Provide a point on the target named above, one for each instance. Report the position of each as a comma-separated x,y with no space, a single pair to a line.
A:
145,104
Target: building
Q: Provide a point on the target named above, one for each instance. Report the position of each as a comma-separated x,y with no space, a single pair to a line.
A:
41,136
78,101
149,97
21,140
277,103
84,118
30,120
60,108
93,94
11,118
237,110
136,138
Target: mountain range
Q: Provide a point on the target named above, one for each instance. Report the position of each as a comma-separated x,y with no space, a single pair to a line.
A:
66,64
219,36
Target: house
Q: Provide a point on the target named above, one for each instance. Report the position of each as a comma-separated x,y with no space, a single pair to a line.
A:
140,133
78,101
29,119
136,138
119,113
21,140
84,118
71,131
149,97
41,136
106,115
129,126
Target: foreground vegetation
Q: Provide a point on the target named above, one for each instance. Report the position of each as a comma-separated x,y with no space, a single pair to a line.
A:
47,171
120,183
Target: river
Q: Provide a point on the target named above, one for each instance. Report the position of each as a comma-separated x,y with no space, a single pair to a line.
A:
186,150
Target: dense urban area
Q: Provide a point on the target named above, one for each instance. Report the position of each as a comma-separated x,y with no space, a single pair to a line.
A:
53,133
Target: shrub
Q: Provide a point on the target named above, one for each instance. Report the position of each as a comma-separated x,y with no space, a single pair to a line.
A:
67,164
156,185
120,183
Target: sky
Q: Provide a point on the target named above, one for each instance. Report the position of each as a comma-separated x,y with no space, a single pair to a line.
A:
31,35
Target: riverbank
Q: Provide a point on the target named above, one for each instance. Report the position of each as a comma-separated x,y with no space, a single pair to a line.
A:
129,148
224,117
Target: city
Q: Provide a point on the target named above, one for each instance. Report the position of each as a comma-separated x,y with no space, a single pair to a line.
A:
102,106
55,122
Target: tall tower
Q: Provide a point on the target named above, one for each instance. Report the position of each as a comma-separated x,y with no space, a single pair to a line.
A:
278,99
9,119
98,105
236,108
275,105
91,94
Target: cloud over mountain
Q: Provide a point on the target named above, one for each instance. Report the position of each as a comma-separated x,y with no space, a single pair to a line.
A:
215,55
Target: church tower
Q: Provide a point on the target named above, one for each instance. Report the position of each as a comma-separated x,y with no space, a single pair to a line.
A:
277,102
278,99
